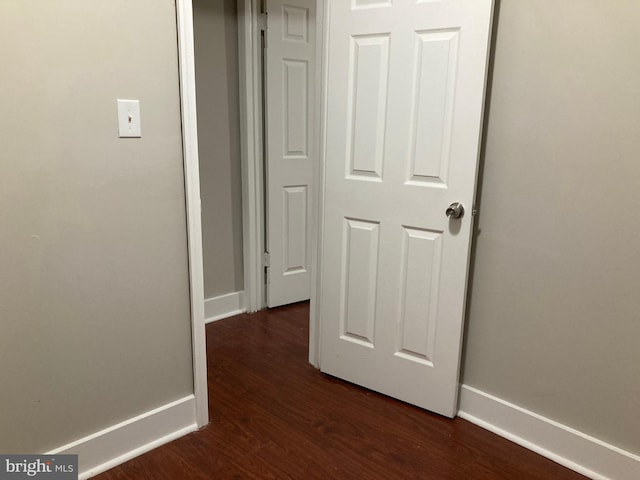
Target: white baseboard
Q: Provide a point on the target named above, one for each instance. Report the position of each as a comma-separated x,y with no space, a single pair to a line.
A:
117,444
224,306
573,449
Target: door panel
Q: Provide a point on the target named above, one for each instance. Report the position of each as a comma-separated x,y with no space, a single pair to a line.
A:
368,73
404,111
421,258
290,54
432,100
360,276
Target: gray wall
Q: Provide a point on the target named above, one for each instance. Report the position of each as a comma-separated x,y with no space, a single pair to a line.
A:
94,297
216,45
554,314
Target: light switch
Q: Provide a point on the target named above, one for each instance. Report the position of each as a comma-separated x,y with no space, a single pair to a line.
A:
129,118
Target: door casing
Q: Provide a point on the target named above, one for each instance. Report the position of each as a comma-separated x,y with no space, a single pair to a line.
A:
186,65
251,151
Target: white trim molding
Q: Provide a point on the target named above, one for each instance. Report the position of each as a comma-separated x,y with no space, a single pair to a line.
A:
251,151
562,444
224,306
186,60
322,42
119,443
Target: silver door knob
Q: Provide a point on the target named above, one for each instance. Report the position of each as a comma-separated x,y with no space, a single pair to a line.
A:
455,210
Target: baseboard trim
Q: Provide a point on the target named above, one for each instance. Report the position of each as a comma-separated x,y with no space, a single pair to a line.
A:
119,443
224,306
562,444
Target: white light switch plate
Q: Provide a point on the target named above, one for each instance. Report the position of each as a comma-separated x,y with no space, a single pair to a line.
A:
129,118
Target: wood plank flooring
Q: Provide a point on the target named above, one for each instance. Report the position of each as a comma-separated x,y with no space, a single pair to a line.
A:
273,416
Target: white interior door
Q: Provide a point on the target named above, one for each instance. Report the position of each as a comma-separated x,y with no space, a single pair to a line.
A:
405,96
290,75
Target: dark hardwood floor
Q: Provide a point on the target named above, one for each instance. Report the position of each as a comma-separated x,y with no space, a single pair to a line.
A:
273,416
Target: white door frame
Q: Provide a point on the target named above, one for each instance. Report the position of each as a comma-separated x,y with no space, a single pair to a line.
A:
186,61
322,41
251,151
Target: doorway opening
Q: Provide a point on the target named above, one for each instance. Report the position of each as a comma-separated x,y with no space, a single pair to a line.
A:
402,122
258,151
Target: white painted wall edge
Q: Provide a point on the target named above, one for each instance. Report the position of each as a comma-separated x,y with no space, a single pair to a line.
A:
562,444
119,443
224,306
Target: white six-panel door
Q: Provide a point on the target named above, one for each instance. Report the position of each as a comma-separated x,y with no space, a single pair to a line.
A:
404,100
290,83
